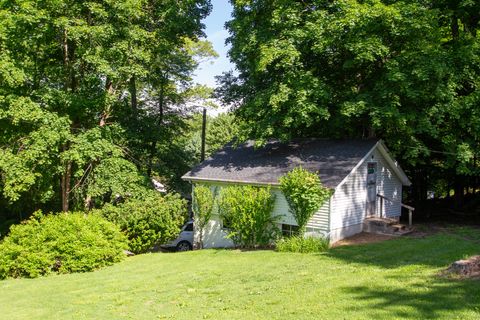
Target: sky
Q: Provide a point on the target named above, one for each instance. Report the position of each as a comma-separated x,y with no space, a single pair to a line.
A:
216,34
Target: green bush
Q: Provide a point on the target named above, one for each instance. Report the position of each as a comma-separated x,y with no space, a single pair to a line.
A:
305,195
154,219
202,206
63,243
302,244
247,215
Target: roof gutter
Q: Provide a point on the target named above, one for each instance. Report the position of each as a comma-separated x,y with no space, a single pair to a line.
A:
230,181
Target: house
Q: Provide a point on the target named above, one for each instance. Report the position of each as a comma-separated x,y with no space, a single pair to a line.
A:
357,171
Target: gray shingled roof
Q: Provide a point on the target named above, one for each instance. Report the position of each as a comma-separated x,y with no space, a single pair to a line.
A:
333,159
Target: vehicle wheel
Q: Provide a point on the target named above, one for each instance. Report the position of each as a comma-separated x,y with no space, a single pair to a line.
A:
184,246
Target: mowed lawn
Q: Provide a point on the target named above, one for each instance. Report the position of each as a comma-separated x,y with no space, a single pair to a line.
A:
388,280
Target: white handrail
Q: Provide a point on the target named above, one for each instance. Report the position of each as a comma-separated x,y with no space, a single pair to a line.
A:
410,209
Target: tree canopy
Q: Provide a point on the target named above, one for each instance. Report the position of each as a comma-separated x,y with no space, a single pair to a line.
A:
91,93
405,71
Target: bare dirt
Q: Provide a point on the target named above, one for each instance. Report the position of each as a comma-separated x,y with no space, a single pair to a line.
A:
419,231
362,238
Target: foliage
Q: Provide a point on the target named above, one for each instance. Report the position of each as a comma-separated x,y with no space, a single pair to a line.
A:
302,244
404,71
202,205
304,193
63,243
396,279
91,95
220,130
148,221
246,212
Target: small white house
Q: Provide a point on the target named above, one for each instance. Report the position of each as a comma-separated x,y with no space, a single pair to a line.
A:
356,170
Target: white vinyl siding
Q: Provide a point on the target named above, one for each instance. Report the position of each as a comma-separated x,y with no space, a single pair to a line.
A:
348,206
350,199
281,209
318,223
321,219
389,185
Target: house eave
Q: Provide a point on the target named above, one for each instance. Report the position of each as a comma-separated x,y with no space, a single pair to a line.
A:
393,164
229,181
386,155
367,155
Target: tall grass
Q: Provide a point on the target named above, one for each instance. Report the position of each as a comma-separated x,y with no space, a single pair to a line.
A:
302,244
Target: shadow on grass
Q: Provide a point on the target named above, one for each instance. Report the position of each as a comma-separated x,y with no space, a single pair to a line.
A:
438,250
420,300
421,297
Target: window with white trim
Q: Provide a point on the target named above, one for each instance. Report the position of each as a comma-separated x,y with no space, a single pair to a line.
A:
289,230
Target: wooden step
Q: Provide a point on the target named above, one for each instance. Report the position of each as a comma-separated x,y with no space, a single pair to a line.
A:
403,231
398,226
384,226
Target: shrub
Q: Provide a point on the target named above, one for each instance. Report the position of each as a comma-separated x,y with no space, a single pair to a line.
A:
202,205
154,219
305,195
302,244
63,243
247,214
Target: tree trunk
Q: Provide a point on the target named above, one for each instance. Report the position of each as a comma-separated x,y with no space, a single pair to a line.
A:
69,84
66,177
88,203
133,94
106,113
455,27
153,145
66,60
459,191
419,187
204,129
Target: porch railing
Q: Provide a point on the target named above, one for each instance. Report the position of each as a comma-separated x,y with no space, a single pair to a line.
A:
409,208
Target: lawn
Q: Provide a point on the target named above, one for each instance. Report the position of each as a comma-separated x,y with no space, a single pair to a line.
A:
388,280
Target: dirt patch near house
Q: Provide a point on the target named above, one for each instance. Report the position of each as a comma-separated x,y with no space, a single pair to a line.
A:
362,238
421,230
469,233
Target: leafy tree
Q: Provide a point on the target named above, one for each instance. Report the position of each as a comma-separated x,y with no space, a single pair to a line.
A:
247,215
305,195
221,129
81,85
202,206
404,71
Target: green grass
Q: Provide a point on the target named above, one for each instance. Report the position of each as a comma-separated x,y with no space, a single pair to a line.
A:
394,279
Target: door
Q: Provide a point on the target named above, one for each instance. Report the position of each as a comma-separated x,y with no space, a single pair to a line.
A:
371,188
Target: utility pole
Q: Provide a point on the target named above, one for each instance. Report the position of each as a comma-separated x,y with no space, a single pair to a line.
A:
204,128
